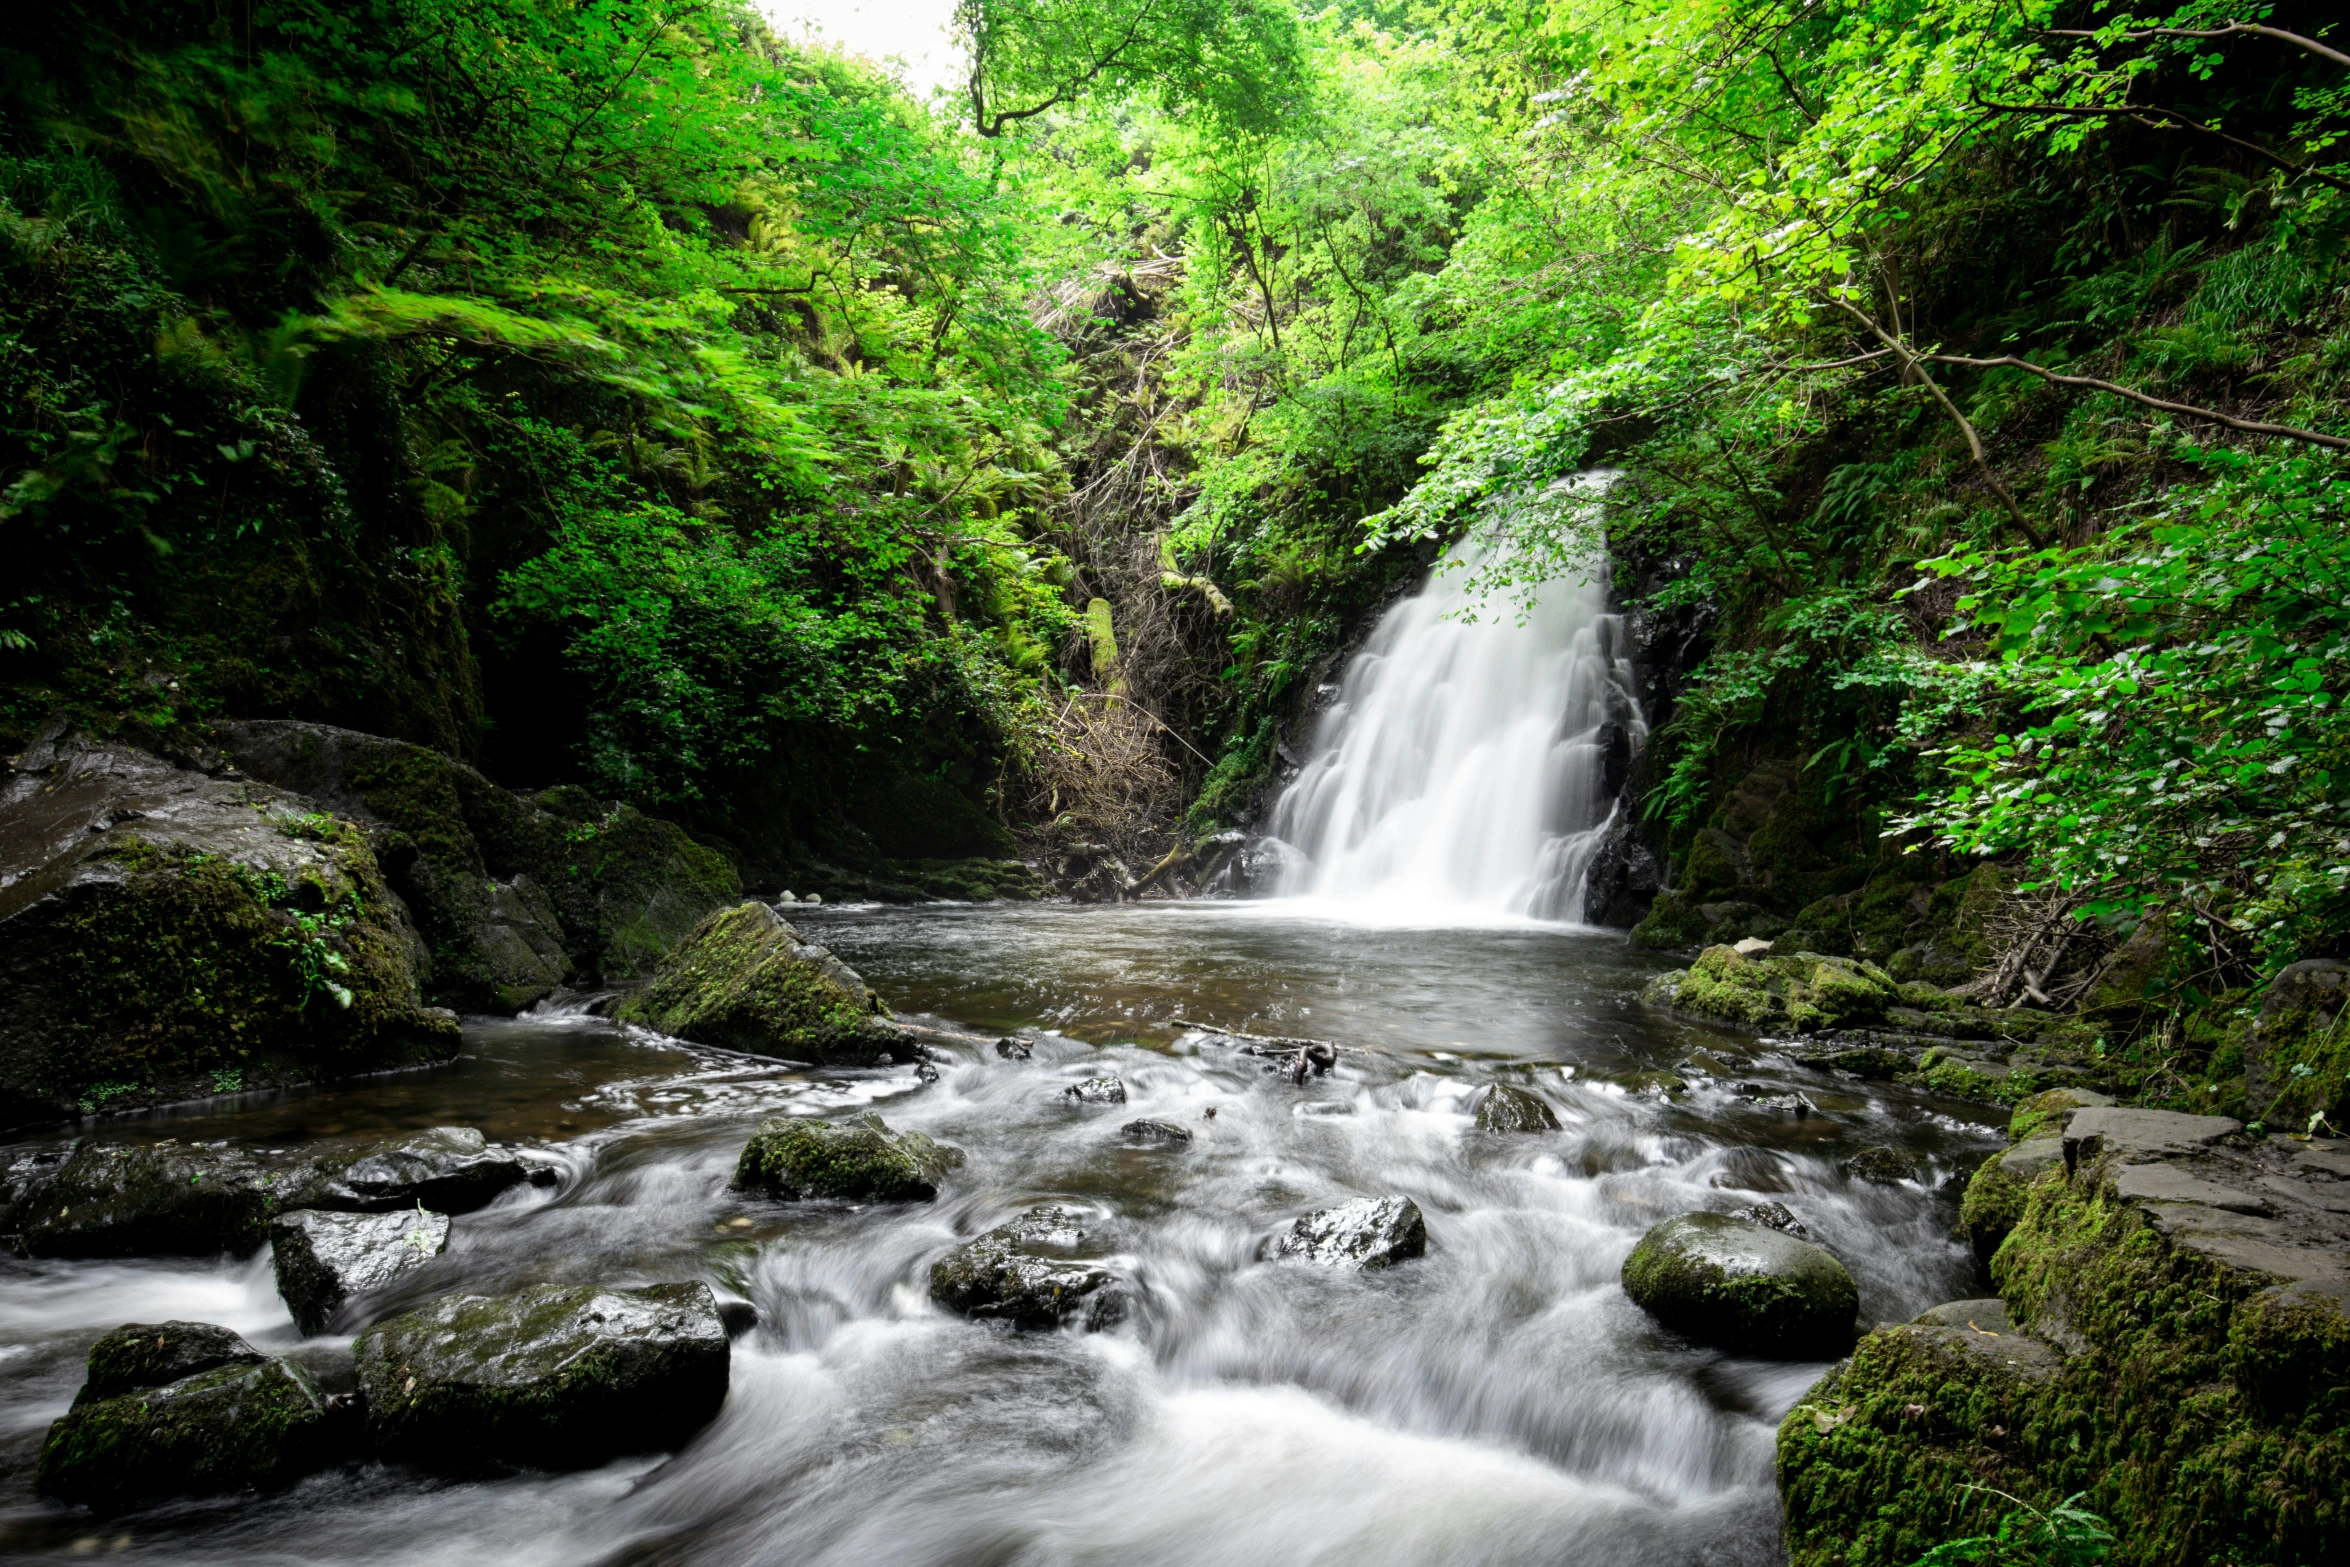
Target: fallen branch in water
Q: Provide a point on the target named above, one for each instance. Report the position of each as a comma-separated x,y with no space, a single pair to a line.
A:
1304,1055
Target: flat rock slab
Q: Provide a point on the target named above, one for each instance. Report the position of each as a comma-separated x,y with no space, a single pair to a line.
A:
2167,1183
326,1260
246,1424
2136,1136
132,1200
1368,1233
450,1169
1029,1273
557,1377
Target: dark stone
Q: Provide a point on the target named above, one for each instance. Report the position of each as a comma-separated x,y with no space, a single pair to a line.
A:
141,1355
450,1169
246,1424
1162,1132
1012,1048
1026,1273
796,1157
1507,1109
2304,1003
1621,883
1368,1233
555,1377
131,1200
324,1260
1883,1165
1743,1287
1096,1091
740,1316
1775,1216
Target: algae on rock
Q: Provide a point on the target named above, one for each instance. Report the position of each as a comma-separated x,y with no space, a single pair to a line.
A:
797,1157
744,980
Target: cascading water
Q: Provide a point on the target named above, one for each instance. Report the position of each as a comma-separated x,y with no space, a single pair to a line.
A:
1470,761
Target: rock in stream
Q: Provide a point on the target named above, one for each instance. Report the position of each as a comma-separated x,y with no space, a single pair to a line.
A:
1743,1287
325,1260
1025,1273
797,1157
1368,1233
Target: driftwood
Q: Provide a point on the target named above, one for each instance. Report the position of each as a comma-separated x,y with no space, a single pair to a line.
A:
1279,1052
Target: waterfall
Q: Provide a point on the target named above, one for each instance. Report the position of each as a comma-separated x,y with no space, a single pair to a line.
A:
1470,761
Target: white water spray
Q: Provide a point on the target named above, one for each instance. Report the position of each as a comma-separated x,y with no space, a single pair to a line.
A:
1463,767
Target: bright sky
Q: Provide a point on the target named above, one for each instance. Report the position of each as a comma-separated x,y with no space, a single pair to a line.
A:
914,31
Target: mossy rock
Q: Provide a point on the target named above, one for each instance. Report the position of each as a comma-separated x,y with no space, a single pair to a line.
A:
1802,992
1031,1274
796,1157
1672,922
134,1200
1743,1287
744,980
165,935
554,1377
1507,1109
247,1424
2045,1113
2296,1058
1994,1201
141,1355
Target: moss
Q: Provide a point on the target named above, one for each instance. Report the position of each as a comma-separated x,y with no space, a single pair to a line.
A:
1804,991
1672,921
1748,1289
653,883
228,1429
742,981
863,1160
1713,864
2200,1409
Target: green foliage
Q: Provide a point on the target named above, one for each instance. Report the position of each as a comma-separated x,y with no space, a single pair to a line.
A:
2066,1535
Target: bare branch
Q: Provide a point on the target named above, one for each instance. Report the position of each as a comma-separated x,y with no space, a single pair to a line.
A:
2135,34
2248,426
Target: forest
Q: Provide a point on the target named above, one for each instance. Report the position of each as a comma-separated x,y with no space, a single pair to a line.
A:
985,493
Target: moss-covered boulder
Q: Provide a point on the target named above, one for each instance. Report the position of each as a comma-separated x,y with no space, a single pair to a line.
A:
2178,1352
514,893
795,1157
1995,1193
1031,1272
2047,1113
555,1377
165,935
326,1261
1503,1108
1801,992
745,980
1743,1287
147,1199
2296,1060
147,1427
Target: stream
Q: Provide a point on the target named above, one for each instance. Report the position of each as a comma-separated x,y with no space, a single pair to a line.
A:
1498,1402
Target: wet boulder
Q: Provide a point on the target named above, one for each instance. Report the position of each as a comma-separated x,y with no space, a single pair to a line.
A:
1774,1216
556,1377
1368,1233
186,1409
1507,1109
1013,1048
1160,1134
449,1169
1743,1287
862,1160
167,935
146,1199
1882,1165
1028,1273
325,1260
745,980
1096,1091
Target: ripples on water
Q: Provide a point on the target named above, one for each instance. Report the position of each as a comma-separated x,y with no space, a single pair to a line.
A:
1498,1402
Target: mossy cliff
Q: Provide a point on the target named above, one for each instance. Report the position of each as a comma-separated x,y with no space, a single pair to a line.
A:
2177,1351
167,935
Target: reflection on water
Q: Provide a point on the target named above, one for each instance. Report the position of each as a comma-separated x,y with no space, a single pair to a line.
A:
1498,1402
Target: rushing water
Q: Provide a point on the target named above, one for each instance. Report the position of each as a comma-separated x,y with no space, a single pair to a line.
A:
1498,1402
1463,768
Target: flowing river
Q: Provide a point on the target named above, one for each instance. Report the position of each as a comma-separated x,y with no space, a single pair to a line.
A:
1497,1402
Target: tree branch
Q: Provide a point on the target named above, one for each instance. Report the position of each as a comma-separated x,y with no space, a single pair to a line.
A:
2132,36
2248,426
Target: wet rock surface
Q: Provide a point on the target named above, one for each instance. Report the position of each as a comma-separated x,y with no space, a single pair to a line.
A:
449,1169
1028,1272
1368,1233
1507,1109
1096,1091
324,1261
2093,1217
862,1160
1157,1134
160,1199
200,1415
1743,1287
163,932
1883,1164
554,1377
745,980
